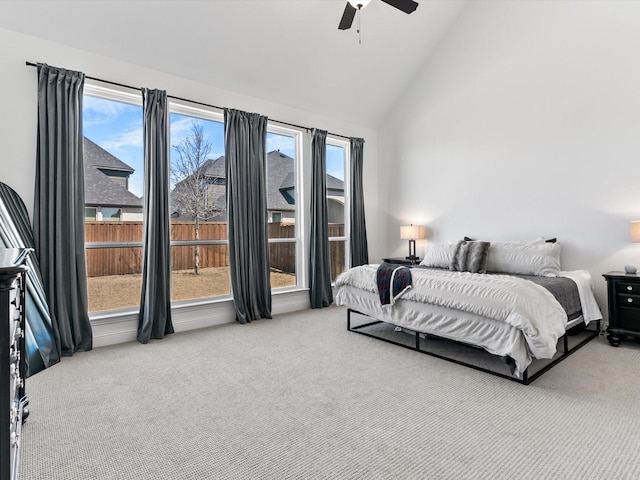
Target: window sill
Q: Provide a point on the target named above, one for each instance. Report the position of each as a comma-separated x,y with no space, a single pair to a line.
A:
120,326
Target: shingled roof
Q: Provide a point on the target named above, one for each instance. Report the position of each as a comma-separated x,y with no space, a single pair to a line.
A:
214,167
334,184
280,182
280,175
100,190
98,157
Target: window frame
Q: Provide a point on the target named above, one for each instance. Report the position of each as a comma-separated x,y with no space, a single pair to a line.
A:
301,269
183,107
346,145
114,94
180,108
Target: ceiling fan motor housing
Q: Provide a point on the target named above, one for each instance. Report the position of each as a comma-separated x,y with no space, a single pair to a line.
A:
407,6
359,3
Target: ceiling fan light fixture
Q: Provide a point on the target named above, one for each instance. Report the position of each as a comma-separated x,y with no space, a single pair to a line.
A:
353,7
358,4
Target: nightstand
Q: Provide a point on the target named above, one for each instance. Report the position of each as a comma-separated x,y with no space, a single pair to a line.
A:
401,261
623,295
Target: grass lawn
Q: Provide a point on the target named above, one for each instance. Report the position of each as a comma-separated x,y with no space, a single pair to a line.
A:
119,291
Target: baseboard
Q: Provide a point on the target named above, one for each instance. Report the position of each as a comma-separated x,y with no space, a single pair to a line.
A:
114,330
294,301
123,327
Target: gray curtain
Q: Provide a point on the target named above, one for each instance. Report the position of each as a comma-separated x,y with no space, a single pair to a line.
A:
155,304
58,220
320,293
245,136
358,231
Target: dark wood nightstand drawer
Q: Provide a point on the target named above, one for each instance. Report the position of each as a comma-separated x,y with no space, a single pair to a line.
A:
628,301
628,288
629,319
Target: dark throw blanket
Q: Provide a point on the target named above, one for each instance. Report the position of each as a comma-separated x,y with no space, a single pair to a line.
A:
393,281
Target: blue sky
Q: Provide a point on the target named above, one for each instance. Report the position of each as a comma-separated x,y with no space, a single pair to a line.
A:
117,127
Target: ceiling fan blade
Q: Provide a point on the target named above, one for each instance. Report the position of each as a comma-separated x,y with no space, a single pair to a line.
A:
407,6
347,17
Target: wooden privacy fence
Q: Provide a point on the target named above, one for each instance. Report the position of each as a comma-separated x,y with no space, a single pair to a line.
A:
128,260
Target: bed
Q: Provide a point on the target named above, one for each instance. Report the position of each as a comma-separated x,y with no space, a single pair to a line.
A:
514,303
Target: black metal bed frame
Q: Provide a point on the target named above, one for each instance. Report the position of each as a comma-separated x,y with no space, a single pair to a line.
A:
527,377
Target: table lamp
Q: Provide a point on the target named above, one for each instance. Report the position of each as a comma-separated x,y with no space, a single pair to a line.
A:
411,232
635,238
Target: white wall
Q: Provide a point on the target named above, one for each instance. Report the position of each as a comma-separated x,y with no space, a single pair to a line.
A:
525,123
18,132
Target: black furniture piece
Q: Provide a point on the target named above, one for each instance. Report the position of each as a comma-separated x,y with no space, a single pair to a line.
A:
420,342
41,339
623,294
401,261
13,399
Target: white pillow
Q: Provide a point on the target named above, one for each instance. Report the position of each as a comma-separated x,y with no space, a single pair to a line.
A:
525,258
439,255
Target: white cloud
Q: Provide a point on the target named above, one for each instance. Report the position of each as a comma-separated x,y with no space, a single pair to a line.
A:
97,111
121,141
180,129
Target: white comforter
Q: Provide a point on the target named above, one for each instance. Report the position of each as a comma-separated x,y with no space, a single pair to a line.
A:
526,306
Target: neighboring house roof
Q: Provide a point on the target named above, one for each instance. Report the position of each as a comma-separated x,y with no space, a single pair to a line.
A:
214,167
99,189
334,183
280,183
280,175
98,157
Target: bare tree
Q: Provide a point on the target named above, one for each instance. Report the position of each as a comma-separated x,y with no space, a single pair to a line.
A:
190,195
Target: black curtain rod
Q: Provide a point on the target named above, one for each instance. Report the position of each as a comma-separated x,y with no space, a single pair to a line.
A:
31,64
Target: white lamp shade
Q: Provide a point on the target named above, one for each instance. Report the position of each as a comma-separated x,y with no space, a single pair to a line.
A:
410,232
635,231
355,3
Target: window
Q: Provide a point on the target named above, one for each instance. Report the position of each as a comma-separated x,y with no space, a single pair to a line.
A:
199,245
109,214
114,159
90,214
114,182
336,160
282,175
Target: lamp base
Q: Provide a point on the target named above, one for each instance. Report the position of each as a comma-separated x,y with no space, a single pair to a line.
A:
630,269
412,250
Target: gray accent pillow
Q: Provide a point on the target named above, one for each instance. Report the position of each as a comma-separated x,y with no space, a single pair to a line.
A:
439,255
538,257
470,257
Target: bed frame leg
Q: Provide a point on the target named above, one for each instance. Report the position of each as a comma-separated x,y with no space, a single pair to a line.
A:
565,343
417,341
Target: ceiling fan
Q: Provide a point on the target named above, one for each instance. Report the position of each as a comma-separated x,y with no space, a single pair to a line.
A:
353,6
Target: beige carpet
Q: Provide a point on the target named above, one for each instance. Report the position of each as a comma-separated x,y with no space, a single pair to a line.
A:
299,397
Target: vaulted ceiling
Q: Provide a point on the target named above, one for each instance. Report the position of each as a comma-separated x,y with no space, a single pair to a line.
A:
286,51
